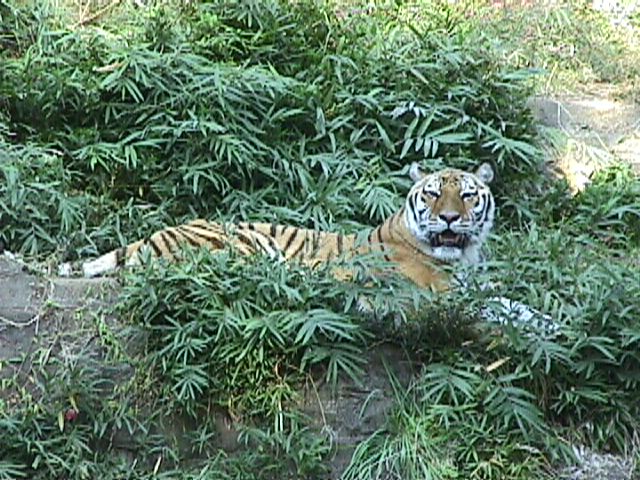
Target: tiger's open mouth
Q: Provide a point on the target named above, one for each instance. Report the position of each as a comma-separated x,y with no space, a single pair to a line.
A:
449,238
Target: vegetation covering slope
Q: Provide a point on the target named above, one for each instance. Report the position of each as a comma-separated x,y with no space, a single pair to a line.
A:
120,121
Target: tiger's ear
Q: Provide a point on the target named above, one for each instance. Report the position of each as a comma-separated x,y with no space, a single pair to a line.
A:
415,172
485,173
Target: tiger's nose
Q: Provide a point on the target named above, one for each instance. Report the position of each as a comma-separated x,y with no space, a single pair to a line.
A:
449,217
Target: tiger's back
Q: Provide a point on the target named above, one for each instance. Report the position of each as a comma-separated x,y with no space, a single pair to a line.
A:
280,242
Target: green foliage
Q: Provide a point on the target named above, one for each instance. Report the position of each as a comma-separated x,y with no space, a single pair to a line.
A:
34,211
608,211
505,401
411,446
43,211
67,409
455,422
242,332
301,450
610,208
308,113
74,417
167,121
300,453
571,41
593,368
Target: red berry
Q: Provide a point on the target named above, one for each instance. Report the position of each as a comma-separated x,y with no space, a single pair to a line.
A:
70,415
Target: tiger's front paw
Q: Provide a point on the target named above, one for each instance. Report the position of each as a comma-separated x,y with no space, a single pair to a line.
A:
505,311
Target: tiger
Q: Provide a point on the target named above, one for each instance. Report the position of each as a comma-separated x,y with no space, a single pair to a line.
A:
446,219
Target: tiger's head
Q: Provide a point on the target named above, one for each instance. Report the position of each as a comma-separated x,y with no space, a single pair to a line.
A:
450,212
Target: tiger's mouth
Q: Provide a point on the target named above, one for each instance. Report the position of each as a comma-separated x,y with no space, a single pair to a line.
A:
448,238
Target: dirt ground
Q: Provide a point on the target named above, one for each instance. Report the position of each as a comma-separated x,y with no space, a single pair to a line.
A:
593,131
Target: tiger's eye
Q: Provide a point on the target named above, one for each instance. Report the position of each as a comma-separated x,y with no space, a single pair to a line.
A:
468,195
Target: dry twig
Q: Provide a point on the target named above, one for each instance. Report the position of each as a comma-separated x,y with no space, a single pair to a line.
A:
98,14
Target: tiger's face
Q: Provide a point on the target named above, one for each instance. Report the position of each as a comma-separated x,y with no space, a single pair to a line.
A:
451,212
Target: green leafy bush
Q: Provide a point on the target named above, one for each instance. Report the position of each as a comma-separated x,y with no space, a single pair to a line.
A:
307,113
609,209
35,213
242,332
68,409
502,403
455,422
74,421
42,209
269,130
592,366
574,43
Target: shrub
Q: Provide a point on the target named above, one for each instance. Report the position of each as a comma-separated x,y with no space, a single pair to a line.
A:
241,333
309,114
572,42
505,402
271,130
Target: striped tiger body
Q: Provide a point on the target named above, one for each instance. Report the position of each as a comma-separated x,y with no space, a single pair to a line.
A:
446,219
